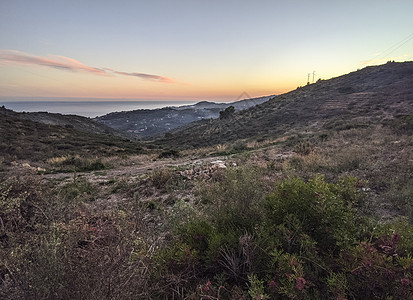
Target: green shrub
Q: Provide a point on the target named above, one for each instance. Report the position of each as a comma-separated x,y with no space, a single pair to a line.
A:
288,243
234,202
319,207
223,237
197,235
79,190
256,290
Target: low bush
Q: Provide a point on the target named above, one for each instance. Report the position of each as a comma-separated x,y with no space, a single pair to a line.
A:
78,190
169,153
317,209
75,163
305,240
160,177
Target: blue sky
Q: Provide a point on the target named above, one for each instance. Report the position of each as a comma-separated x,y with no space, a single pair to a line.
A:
191,49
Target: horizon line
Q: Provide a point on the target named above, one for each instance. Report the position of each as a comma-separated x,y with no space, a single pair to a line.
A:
101,99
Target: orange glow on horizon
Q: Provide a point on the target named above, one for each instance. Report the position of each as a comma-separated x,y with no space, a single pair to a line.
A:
59,76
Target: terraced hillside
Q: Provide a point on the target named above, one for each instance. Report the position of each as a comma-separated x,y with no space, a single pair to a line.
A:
370,95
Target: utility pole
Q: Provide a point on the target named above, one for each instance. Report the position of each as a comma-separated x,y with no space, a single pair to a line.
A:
313,75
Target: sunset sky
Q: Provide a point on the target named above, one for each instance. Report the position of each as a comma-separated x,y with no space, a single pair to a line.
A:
192,50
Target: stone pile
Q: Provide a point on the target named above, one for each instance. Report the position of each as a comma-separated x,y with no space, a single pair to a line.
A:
204,172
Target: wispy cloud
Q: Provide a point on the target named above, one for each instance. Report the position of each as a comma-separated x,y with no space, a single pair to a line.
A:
69,64
53,61
143,76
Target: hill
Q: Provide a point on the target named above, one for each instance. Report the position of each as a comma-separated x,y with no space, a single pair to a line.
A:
371,95
23,138
148,123
70,121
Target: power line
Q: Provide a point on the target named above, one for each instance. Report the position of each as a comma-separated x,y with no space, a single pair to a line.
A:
400,45
401,42
391,49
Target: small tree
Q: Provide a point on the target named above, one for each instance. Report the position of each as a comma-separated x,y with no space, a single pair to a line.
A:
226,113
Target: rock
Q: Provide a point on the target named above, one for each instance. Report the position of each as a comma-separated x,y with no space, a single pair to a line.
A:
28,166
218,164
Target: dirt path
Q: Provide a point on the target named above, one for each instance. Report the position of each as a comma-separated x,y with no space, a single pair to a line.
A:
136,169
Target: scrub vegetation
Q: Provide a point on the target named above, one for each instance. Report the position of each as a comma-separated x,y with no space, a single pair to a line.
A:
322,212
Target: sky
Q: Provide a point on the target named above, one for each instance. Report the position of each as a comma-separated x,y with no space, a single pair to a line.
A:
190,49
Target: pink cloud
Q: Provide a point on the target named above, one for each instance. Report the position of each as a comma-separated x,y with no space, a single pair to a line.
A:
53,61
69,64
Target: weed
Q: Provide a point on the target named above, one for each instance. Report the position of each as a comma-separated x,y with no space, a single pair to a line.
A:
256,288
160,177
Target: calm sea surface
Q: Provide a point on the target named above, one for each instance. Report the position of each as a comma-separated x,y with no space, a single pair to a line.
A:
88,108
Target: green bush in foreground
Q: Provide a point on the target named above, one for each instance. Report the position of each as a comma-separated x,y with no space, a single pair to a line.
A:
315,209
303,241
244,240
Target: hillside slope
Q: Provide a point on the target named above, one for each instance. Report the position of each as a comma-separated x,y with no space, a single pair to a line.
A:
70,121
370,95
25,139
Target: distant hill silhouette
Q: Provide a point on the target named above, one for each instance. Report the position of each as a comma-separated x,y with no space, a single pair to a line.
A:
148,123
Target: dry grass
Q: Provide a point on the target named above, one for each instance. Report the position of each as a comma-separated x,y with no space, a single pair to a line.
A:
375,154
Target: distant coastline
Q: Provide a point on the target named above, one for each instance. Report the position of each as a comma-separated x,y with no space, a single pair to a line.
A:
89,108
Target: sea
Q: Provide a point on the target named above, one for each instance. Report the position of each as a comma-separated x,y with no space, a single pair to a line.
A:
90,109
